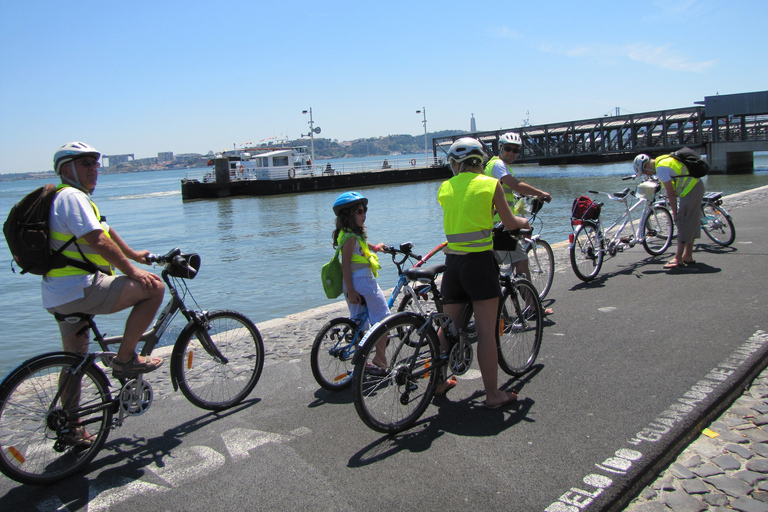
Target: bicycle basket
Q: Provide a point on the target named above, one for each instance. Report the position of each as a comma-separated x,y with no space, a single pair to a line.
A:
188,271
647,189
584,208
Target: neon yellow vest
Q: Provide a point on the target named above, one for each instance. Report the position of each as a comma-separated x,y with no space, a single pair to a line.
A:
514,205
682,185
467,201
58,239
360,262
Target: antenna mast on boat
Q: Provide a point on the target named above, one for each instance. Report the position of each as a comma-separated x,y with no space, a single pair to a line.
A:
312,132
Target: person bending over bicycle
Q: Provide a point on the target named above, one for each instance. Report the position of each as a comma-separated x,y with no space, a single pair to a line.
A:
472,273
88,284
359,266
500,167
687,215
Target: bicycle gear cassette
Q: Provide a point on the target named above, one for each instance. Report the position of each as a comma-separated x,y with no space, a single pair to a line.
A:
136,397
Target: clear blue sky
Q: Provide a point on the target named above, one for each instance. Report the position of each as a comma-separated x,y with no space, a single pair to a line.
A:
143,77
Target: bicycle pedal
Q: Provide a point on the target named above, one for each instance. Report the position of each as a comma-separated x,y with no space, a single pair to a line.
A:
626,239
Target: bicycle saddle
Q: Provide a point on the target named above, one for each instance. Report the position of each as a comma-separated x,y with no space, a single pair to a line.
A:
424,274
621,194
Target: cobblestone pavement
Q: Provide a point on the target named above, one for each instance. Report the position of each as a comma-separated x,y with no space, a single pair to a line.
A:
725,470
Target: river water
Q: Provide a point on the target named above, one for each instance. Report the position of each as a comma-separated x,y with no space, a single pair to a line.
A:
262,255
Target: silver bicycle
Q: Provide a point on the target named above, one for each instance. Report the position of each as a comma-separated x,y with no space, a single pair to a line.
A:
590,242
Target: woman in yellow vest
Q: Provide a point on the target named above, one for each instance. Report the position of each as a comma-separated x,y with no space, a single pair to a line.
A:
468,200
359,266
687,215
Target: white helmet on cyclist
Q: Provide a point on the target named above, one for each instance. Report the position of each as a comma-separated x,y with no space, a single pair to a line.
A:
511,138
465,148
639,163
70,151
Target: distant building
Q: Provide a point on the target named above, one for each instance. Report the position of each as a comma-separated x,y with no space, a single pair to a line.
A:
472,125
166,156
118,159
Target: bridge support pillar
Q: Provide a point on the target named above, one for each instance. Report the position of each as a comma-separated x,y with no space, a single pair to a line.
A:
733,157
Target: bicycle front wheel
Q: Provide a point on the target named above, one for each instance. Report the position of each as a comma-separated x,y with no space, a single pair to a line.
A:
658,231
332,352
719,226
541,264
394,385
587,252
217,364
520,327
41,436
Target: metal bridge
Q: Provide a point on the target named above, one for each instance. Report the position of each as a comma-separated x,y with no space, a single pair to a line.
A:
728,129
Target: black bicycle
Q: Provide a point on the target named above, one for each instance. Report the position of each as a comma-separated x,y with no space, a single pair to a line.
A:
392,399
49,402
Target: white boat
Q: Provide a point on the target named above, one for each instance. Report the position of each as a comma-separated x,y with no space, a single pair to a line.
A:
268,163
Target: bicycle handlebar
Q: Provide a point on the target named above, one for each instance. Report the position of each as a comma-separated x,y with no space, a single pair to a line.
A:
173,257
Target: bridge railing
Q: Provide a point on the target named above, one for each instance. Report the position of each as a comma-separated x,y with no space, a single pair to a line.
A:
664,130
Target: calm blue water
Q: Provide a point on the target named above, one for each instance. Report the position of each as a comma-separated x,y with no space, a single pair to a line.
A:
262,255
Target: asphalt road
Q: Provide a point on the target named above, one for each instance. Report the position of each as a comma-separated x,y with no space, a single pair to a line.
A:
631,366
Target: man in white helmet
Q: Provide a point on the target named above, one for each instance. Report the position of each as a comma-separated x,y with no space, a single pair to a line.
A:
97,291
500,167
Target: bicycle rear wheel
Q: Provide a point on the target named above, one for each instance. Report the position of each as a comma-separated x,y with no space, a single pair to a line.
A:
207,380
332,352
520,327
541,264
587,252
658,231
392,398
38,444
719,226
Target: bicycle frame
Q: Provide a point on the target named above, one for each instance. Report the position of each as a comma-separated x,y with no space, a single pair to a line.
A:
617,241
402,281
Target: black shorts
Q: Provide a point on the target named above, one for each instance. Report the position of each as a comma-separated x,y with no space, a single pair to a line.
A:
470,277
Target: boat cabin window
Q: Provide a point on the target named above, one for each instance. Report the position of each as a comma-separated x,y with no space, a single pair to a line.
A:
262,162
280,161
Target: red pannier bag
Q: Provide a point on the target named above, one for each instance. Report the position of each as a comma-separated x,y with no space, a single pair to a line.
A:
584,208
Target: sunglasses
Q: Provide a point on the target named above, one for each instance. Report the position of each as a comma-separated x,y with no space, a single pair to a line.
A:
511,149
361,210
89,162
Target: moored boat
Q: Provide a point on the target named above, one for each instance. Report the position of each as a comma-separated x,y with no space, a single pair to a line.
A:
285,170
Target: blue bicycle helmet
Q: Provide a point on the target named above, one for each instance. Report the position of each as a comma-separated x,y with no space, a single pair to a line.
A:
347,199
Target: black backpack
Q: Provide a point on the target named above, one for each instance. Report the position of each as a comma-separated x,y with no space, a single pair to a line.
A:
697,166
26,231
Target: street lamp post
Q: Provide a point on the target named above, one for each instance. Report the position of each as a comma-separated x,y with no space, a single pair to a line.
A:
426,152
312,132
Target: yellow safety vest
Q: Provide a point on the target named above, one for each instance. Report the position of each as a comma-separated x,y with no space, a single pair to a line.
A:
517,206
358,262
58,239
682,185
467,201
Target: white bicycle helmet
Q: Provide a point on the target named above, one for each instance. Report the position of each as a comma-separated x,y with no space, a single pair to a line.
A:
464,148
511,138
639,163
70,151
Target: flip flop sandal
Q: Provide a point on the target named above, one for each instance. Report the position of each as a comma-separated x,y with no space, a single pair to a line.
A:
450,384
376,371
511,398
134,367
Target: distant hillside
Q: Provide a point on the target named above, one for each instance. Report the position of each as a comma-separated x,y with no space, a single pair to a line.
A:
324,148
388,145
